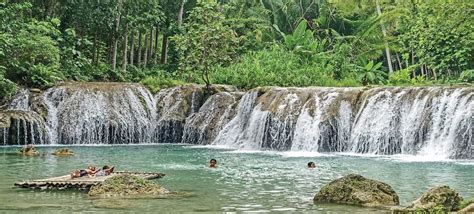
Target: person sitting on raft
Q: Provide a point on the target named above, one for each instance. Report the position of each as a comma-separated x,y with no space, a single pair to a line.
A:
89,172
106,170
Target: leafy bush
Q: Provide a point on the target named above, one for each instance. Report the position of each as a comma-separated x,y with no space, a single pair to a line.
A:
371,73
467,76
160,79
275,67
7,89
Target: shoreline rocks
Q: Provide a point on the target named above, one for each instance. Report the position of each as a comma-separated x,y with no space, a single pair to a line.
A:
437,199
355,189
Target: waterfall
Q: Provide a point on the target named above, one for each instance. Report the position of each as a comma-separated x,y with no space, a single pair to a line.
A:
100,114
203,126
426,121
20,101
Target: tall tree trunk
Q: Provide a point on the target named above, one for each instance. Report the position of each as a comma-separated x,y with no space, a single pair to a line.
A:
132,47
115,36
95,51
49,8
400,67
384,32
125,48
139,59
156,46
150,44
145,53
164,49
181,12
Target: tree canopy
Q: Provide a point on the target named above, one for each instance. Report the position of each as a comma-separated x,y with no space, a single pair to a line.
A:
246,43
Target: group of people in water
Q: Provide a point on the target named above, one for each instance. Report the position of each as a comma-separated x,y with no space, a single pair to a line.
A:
92,171
213,164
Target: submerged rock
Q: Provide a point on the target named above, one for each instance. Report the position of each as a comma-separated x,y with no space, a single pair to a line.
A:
357,190
63,152
439,199
127,186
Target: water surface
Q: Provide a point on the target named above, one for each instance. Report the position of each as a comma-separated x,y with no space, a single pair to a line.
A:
243,182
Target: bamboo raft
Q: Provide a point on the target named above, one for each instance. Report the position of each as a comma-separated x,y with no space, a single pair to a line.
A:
82,183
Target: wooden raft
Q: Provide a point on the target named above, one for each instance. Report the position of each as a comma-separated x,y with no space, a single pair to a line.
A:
66,182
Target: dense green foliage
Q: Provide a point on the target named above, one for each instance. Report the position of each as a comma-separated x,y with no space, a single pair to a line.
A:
246,43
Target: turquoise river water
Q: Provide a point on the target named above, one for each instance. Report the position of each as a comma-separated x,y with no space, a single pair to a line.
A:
243,182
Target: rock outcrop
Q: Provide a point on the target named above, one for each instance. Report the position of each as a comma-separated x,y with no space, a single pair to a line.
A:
203,126
63,152
127,186
436,199
175,104
356,190
21,128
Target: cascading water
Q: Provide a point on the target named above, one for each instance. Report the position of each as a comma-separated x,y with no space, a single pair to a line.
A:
100,113
20,101
435,121
428,121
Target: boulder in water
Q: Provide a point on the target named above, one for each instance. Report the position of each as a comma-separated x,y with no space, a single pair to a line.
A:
437,199
357,190
63,152
125,185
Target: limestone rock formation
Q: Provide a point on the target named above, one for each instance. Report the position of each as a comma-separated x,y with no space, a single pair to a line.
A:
203,126
175,104
21,128
356,190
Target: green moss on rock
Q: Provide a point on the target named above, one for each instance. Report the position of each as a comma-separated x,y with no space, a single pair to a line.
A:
125,185
439,199
357,190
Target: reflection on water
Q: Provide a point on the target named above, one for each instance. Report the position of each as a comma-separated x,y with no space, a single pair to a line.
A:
243,181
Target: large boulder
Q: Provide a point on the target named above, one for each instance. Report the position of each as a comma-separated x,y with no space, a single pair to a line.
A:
356,190
437,199
125,185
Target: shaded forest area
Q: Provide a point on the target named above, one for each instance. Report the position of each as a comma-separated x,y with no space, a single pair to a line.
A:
246,43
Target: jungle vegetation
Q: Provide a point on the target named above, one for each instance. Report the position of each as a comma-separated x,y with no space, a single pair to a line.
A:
246,43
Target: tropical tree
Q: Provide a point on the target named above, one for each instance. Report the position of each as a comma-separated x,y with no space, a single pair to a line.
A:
208,41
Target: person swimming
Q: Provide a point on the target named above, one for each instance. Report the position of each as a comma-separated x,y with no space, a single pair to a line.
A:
213,163
311,165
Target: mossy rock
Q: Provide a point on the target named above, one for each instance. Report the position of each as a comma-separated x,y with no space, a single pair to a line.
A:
357,190
125,185
63,152
32,152
439,199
